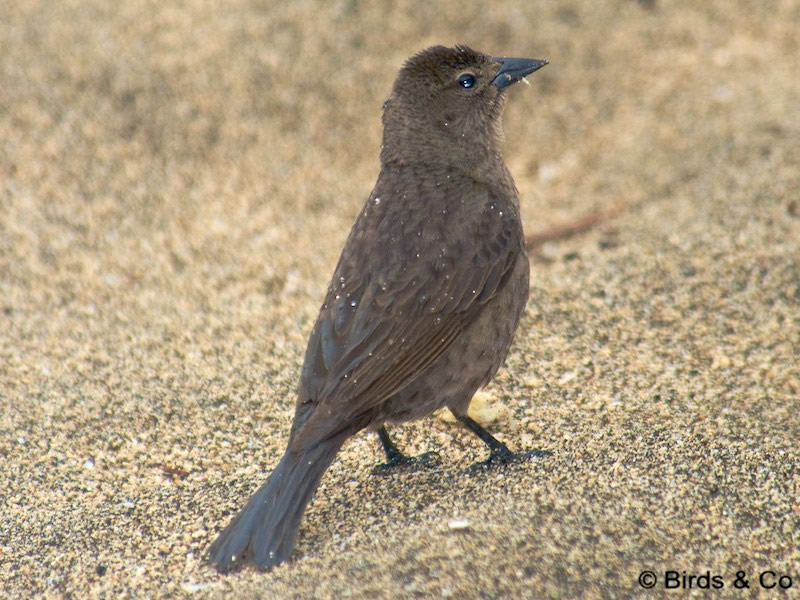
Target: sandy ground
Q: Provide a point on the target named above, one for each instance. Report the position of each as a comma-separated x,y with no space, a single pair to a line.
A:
176,181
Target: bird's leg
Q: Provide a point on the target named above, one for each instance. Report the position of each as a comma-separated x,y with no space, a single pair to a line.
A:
393,454
395,458
499,452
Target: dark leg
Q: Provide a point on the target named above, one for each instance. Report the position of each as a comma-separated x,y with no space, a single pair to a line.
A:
499,452
395,458
393,455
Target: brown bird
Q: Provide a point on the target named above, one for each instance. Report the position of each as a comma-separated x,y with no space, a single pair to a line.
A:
425,299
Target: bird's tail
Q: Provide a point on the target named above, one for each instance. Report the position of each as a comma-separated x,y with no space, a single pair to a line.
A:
264,530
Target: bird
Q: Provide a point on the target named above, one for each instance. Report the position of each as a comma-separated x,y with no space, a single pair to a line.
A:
425,298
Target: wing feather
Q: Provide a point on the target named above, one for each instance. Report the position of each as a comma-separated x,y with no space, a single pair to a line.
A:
399,302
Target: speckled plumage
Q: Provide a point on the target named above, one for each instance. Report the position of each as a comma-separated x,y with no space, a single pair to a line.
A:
427,294
422,306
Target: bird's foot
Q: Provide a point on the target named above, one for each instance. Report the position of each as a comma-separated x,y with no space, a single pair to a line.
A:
504,456
400,462
499,452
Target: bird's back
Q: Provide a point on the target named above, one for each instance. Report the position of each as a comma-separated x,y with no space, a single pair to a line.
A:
431,250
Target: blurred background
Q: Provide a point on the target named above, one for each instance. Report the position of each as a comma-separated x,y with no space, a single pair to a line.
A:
224,129
176,182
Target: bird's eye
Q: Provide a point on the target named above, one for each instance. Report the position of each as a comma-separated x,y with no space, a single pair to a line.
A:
466,81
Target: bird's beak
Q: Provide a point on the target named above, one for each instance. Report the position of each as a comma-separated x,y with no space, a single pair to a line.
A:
514,69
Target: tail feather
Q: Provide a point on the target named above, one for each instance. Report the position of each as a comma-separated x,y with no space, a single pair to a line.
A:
265,529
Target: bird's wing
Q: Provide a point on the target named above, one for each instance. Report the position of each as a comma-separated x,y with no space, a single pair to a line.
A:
395,305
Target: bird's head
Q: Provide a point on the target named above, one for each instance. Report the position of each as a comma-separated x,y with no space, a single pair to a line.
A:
447,103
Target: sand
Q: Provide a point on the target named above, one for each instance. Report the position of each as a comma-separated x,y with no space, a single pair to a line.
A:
176,182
